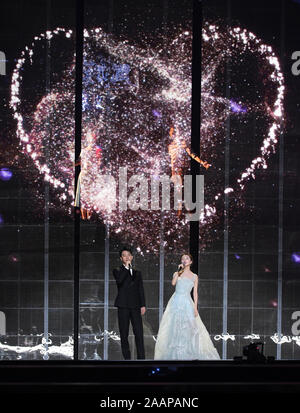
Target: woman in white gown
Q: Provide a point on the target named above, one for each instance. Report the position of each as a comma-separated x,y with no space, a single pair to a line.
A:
182,334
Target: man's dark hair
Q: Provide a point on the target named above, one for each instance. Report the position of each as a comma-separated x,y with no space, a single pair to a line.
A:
125,248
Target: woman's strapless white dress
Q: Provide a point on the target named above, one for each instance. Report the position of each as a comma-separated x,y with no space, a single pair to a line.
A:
181,335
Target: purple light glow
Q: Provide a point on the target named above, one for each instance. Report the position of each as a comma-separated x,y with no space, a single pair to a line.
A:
5,174
236,108
156,113
296,257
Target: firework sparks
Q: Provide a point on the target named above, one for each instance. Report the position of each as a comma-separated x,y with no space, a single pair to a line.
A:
136,113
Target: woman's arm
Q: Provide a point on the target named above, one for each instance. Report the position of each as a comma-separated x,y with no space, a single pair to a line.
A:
196,292
175,276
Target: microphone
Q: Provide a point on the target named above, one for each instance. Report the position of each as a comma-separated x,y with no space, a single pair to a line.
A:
130,268
180,266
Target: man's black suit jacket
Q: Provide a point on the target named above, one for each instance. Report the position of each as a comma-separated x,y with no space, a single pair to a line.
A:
130,288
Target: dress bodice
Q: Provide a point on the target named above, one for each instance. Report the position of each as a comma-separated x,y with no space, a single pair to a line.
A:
184,285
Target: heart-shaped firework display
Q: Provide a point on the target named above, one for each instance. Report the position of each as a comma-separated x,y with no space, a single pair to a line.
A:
136,115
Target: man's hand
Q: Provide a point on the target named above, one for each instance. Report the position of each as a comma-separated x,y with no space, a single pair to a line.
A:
143,310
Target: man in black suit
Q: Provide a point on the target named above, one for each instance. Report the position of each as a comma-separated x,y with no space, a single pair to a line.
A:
131,304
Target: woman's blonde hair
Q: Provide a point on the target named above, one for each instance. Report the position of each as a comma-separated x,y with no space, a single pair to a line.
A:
191,257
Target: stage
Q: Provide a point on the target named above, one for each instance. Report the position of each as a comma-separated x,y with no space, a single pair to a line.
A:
149,377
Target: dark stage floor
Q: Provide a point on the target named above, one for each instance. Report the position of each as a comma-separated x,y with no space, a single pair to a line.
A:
90,383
